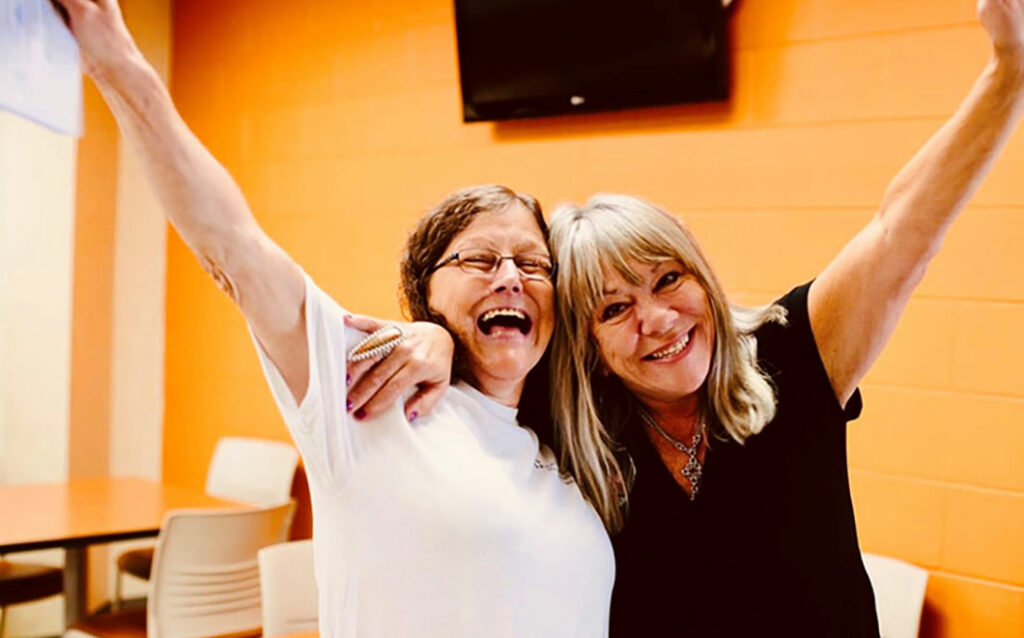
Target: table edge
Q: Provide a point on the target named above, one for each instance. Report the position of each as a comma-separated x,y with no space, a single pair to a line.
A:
78,541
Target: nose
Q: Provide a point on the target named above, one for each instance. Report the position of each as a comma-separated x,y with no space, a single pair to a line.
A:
507,277
654,318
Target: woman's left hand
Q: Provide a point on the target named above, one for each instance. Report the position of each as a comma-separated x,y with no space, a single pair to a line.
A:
423,360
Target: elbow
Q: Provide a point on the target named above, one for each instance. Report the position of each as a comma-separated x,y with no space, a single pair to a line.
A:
229,259
912,223
221,277
908,250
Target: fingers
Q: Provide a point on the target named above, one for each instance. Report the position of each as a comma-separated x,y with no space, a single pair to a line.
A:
390,392
368,377
357,369
62,12
424,400
73,5
422,361
78,8
365,323
71,9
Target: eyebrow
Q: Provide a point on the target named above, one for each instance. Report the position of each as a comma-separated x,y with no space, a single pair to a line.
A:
656,268
527,247
531,245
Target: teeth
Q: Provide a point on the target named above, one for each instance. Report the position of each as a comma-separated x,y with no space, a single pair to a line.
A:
503,312
673,349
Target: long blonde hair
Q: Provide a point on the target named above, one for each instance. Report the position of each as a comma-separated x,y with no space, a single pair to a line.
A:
591,411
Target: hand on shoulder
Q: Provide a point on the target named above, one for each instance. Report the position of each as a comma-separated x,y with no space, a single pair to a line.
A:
422,360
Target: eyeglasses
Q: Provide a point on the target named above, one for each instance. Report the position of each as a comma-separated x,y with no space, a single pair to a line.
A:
483,261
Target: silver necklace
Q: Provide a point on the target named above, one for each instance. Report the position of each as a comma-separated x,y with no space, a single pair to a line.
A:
693,468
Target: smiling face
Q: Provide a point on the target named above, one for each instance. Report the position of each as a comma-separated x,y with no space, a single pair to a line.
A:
502,319
657,335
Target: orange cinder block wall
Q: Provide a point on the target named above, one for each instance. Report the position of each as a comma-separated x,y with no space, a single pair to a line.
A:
341,121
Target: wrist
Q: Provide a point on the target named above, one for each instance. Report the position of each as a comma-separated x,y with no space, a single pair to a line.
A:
119,75
1007,66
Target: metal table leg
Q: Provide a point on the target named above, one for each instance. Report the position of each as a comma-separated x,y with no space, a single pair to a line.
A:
76,571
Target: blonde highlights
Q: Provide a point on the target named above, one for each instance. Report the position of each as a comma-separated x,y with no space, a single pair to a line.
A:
591,411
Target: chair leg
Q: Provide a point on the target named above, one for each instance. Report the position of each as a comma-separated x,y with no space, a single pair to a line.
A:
3,620
115,605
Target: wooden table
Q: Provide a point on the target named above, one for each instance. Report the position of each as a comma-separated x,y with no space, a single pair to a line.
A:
84,512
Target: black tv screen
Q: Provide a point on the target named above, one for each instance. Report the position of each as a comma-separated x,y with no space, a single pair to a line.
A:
527,58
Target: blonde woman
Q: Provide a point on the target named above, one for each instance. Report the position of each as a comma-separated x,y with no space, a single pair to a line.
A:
712,439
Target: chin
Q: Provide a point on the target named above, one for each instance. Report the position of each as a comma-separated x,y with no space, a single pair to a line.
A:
512,368
510,365
674,386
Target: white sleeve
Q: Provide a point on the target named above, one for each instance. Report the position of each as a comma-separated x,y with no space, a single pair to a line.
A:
320,425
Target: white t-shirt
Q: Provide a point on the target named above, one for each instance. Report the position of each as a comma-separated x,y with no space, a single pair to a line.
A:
456,525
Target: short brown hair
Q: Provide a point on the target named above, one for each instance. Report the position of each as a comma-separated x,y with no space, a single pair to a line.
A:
435,232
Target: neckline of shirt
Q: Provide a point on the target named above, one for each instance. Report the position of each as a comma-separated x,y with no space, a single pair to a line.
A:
501,411
501,426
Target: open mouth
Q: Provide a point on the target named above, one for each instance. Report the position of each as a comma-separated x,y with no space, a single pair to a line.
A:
673,348
499,320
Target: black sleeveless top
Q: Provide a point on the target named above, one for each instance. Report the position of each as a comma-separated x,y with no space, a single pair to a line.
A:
769,547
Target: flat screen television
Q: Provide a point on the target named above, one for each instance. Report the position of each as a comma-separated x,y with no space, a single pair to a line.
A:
528,58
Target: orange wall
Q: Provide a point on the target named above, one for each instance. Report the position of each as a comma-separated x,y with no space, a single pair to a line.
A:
341,121
92,299
95,214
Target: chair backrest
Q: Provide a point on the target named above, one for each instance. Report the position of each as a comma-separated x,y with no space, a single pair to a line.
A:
288,587
899,595
205,579
255,471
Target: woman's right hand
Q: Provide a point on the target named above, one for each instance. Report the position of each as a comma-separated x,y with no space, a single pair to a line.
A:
104,41
423,360
1004,22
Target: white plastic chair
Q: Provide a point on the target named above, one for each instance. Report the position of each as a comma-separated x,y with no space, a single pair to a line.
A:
288,587
249,470
899,595
257,471
205,579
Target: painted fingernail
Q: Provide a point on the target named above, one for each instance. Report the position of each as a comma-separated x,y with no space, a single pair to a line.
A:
413,415
348,379
348,404
360,413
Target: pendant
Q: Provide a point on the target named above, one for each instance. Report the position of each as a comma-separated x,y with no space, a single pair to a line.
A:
692,471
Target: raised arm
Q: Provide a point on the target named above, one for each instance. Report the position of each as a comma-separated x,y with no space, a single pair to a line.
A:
210,214
196,193
857,300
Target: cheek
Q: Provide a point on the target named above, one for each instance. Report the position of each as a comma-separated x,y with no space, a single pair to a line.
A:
710,333
709,316
611,345
695,301
441,300
545,298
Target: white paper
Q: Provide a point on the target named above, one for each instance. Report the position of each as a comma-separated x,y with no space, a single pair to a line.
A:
40,77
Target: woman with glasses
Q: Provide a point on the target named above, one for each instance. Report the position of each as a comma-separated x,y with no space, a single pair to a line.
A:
453,523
